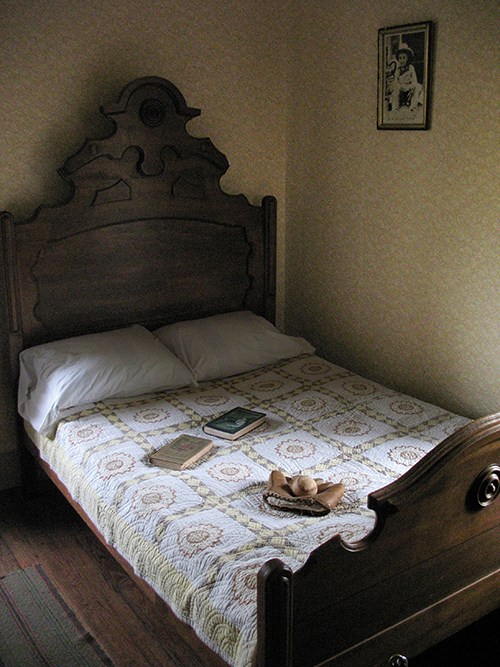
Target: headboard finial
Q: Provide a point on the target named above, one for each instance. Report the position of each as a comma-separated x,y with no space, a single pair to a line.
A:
161,84
150,114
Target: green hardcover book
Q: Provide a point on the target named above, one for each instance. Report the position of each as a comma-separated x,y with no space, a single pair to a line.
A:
181,452
235,423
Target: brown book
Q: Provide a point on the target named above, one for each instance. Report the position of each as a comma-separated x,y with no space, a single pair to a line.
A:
181,452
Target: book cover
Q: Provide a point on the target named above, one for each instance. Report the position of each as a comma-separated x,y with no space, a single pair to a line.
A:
235,423
181,452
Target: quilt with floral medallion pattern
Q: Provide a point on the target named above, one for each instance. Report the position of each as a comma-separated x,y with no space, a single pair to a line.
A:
199,536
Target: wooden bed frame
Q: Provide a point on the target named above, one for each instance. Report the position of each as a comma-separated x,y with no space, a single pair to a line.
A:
149,237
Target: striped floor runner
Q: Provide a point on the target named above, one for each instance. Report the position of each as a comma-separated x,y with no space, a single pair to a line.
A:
38,628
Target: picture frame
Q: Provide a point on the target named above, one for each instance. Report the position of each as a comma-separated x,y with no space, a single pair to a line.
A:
404,77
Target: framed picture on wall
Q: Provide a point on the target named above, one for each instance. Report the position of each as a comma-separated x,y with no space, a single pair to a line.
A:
404,77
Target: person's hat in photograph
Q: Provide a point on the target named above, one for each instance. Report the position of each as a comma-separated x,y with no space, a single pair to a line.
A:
404,48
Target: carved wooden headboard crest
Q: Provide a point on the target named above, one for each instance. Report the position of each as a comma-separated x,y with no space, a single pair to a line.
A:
150,141
148,235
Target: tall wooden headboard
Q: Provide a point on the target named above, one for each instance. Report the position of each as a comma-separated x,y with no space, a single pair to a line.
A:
148,236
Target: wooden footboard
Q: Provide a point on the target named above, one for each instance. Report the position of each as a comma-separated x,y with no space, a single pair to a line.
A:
429,568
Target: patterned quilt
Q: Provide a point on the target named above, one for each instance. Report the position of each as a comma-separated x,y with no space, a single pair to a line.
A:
199,536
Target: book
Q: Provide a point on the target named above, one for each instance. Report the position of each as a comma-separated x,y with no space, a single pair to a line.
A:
181,452
235,423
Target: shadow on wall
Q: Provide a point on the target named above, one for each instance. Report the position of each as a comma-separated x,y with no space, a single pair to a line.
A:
78,117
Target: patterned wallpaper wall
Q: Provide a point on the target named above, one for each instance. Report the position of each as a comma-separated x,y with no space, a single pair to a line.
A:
392,265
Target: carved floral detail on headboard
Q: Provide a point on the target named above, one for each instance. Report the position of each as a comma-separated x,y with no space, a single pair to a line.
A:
150,140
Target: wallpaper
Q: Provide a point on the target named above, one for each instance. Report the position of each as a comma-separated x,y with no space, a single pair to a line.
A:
392,264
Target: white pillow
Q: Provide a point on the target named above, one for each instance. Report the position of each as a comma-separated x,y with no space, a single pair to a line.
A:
84,369
223,345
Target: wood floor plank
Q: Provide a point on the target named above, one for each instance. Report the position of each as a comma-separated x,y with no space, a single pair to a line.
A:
8,562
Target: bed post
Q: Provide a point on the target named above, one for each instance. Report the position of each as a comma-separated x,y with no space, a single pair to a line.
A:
10,290
274,614
14,336
269,206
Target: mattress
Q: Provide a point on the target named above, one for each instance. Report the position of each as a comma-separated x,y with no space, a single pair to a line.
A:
199,536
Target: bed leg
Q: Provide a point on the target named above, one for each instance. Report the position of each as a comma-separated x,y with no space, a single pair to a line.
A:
274,615
29,473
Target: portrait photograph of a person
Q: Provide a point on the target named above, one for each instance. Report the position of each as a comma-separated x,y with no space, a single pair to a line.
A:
404,77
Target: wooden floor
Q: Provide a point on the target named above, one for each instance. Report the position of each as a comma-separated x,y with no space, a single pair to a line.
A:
132,629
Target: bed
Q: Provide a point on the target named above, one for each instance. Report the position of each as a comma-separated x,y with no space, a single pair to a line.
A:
149,253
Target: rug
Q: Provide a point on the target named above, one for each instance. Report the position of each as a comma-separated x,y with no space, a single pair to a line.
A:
38,628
